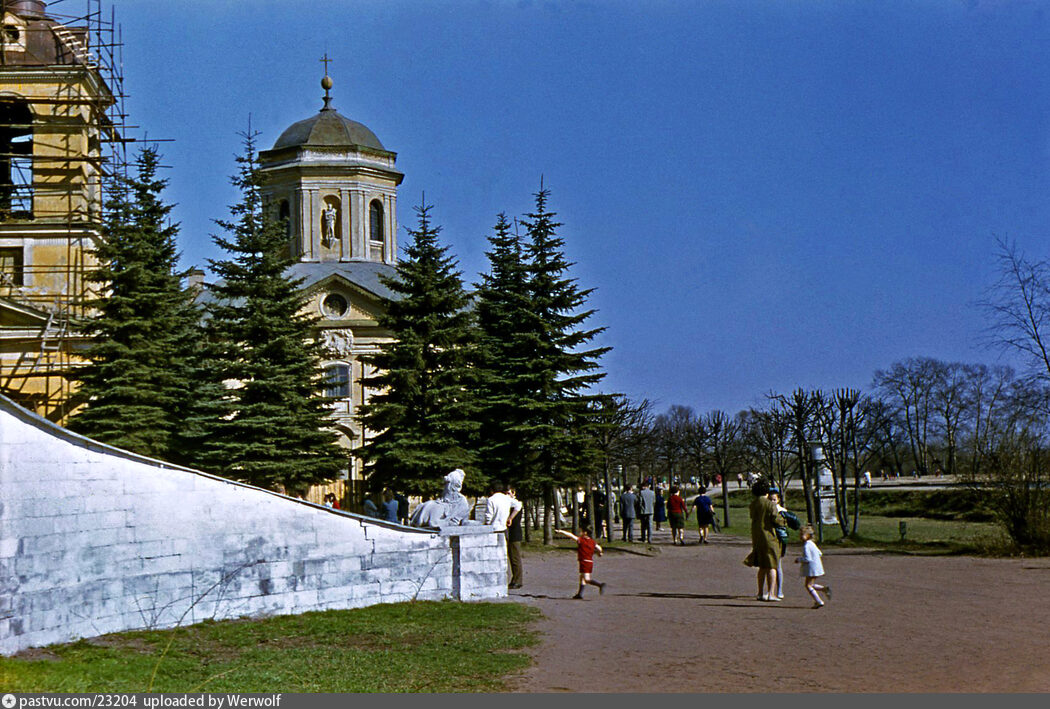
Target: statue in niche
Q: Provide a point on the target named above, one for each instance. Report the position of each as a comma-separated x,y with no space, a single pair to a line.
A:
328,217
450,510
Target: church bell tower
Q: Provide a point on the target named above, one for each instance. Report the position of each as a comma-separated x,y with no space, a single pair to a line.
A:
336,184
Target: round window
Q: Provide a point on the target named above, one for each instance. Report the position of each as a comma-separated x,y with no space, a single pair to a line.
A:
334,305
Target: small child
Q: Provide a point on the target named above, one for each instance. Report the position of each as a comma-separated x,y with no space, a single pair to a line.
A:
812,566
585,548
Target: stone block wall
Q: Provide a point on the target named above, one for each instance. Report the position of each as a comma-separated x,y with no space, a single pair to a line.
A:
95,540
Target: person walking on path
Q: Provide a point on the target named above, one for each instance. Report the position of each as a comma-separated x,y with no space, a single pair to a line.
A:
676,515
765,549
627,505
812,567
660,515
646,508
585,549
705,513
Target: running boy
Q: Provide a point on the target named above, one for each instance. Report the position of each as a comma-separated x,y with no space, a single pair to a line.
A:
812,566
585,548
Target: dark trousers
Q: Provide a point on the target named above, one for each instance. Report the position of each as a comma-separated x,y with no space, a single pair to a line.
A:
646,523
628,529
514,558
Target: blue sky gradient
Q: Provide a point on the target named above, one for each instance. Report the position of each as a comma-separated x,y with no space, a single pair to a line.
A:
764,195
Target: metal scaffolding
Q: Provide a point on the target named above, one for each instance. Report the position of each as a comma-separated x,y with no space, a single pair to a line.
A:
63,128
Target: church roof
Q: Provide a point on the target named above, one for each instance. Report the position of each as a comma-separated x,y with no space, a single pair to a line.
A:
328,129
364,274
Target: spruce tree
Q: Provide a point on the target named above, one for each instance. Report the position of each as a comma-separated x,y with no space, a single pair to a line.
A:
273,427
422,412
508,333
564,364
137,383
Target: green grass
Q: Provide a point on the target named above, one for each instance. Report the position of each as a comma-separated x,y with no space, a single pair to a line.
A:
938,521
432,646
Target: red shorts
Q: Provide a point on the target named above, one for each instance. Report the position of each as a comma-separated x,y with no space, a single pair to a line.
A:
587,566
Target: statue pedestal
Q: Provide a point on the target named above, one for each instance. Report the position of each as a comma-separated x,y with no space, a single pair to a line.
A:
479,561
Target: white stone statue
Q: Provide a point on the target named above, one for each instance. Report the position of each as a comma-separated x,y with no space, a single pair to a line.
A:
328,216
450,510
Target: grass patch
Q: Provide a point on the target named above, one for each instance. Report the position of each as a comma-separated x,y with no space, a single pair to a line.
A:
429,646
938,521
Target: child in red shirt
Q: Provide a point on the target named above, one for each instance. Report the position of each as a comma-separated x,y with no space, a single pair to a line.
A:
585,548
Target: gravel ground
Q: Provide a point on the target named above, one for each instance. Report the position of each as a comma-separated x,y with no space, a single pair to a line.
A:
685,619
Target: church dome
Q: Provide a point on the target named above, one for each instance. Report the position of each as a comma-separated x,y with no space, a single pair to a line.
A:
328,129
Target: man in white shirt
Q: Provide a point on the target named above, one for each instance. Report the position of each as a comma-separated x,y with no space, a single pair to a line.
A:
501,510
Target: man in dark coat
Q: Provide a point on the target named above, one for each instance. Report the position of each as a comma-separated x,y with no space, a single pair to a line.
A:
628,502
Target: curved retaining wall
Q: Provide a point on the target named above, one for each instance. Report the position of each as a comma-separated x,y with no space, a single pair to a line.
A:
96,540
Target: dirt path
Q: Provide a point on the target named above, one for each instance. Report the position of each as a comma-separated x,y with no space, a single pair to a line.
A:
895,624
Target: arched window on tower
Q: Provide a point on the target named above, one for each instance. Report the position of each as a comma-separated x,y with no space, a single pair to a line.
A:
375,221
16,160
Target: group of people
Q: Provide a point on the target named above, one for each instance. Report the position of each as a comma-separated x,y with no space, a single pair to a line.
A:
770,521
389,507
648,504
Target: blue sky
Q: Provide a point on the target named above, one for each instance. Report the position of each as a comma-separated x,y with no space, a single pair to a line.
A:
764,195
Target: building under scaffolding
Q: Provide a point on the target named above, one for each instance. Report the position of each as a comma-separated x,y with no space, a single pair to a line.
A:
62,127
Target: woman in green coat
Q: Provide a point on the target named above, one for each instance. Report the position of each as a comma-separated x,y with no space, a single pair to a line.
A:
765,549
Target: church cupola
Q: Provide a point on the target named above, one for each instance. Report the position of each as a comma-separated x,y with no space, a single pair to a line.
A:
336,185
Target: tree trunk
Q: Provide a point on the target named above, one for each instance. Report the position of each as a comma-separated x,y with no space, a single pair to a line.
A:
575,512
807,487
591,512
526,510
548,513
608,504
725,501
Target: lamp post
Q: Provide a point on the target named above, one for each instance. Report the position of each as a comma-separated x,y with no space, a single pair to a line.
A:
823,478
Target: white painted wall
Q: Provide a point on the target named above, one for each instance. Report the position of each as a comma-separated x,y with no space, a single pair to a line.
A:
95,540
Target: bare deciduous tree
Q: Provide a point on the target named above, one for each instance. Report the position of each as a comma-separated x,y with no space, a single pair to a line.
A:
1019,306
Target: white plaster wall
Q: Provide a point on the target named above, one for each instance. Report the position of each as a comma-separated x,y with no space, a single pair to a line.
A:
96,540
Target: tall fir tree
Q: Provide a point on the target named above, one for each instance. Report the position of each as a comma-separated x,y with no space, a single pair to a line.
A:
565,364
422,411
508,336
137,383
273,428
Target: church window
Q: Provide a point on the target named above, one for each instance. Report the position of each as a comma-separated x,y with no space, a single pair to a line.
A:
11,266
284,213
16,160
334,305
337,381
375,220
